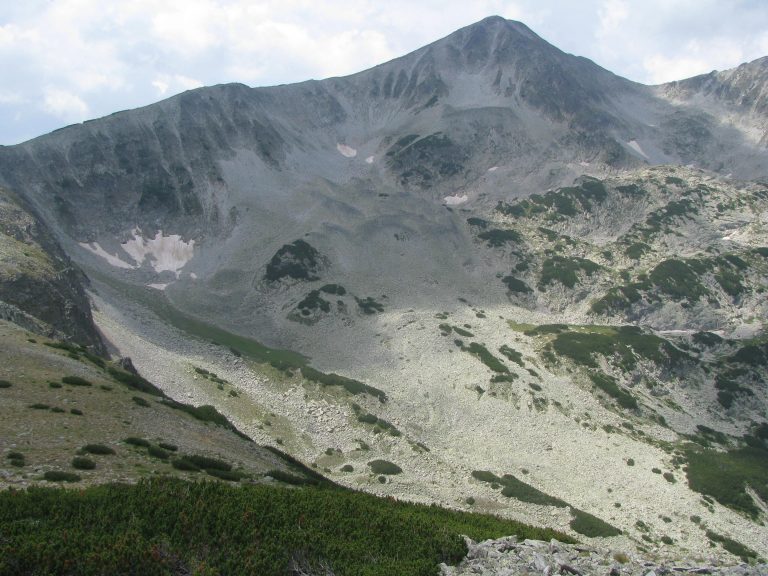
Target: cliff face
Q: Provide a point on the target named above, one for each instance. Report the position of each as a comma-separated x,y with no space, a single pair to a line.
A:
40,287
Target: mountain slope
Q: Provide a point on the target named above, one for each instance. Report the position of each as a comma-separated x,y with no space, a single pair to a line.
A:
464,263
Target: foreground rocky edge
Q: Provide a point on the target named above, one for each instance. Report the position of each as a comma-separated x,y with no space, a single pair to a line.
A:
508,557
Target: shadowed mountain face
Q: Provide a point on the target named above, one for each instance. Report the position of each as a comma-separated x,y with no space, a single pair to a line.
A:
489,113
460,233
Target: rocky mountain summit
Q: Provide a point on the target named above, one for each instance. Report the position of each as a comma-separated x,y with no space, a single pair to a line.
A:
488,275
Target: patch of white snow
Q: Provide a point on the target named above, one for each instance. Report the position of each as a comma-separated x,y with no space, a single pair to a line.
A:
455,200
99,251
369,160
636,147
346,151
158,286
493,169
169,253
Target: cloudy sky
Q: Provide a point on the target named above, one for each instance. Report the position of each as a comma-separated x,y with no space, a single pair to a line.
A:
64,61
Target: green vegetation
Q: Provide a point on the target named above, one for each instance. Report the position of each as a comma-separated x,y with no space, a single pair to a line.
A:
511,377
379,423
58,476
591,526
313,301
134,381
335,289
728,389
16,459
157,452
511,487
636,250
512,355
169,447
352,386
76,381
725,476
369,305
486,357
668,214
707,339
205,413
83,463
497,238
677,279
479,222
133,441
210,376
462,332
298,260
98,449
422,161
516,285
559,203
565,270
77,352
384,467
618,298
609,385
736,548
514,488
229,476
140,401
5,384
206,462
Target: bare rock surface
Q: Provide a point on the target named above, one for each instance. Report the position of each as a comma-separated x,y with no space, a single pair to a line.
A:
508,557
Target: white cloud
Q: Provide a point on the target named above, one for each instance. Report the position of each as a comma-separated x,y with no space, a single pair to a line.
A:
612,14
65,105
10,97
174,83
695,58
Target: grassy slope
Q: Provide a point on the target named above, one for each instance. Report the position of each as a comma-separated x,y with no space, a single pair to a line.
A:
49,438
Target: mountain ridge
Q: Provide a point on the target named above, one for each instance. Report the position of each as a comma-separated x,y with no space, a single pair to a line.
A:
484,243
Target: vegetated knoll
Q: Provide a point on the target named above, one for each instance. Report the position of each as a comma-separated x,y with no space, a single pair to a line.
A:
38,279
298,260
172,524
92,411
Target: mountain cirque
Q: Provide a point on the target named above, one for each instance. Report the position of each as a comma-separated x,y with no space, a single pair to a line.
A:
487,274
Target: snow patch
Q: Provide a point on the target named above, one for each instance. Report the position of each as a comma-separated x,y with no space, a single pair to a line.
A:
158,286
193,275
99,251
169,253
346,151
369,160
493,169
585,164
455,200
636,147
